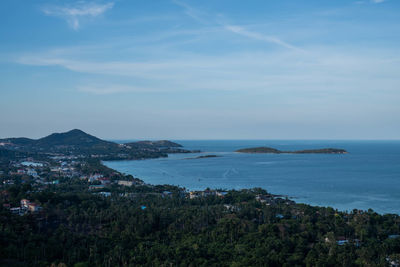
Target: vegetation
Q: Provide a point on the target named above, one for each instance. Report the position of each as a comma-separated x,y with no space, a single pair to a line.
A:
146,228
152,144
79,143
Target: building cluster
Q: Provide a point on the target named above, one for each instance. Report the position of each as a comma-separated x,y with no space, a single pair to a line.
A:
206,193
99,181
42,173
271,200
26,206
66,166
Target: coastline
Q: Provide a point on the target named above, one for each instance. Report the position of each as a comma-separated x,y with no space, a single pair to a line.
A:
336,197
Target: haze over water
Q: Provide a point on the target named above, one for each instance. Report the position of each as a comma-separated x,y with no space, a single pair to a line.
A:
367,177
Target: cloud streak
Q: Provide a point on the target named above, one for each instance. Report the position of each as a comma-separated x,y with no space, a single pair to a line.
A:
261,37
74,13
110,89
199,16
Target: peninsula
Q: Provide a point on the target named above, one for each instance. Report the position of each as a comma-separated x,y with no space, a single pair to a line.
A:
269,150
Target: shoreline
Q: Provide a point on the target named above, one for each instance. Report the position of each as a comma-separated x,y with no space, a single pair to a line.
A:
278,195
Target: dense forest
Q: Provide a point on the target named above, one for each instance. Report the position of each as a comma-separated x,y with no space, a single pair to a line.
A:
142,226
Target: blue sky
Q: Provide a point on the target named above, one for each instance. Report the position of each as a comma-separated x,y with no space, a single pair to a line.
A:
227,69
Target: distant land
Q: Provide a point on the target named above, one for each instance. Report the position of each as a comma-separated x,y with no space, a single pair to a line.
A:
269,150
78,143
205,157
161,143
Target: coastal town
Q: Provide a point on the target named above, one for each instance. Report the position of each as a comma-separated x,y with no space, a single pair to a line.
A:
64,193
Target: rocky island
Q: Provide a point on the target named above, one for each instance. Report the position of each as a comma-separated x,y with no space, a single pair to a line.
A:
269,150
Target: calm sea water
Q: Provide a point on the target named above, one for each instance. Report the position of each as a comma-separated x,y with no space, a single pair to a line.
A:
367,177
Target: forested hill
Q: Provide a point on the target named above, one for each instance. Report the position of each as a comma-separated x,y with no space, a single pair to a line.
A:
159,144
72,138
77,142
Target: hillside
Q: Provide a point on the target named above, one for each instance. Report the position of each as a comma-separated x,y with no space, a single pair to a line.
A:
159,144
77,142
72,138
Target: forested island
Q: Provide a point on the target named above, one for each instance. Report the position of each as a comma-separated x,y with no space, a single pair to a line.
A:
205,157
269,150
60,206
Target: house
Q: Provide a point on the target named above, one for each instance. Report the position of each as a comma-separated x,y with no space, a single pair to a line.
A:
104,180
15,210
55,169
25,203
231,208
96,176
33,207
208,192
221,193
193,195
125,183
98,186
265,199
105,194
32,172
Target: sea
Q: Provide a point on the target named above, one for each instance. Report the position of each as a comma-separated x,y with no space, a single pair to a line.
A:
368,177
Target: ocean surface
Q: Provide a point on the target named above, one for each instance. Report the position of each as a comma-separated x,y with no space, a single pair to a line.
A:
367,177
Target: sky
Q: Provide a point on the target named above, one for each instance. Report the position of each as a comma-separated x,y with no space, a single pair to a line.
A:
176,69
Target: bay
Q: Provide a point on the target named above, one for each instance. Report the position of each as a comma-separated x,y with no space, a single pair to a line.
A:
367,177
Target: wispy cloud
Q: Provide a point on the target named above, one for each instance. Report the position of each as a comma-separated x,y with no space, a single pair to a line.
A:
74,13
279,72
110,89
377,1
192,12
261,37
199,16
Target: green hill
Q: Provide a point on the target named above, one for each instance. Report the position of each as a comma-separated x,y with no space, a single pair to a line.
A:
77,142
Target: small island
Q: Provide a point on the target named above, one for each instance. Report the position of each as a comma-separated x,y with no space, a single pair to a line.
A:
205,157
269,150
